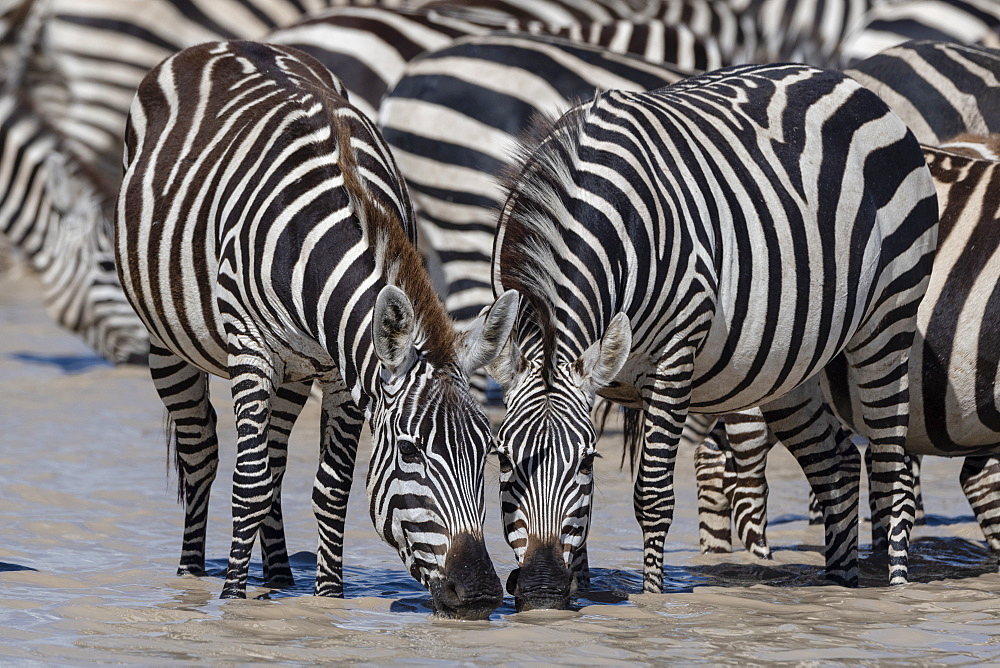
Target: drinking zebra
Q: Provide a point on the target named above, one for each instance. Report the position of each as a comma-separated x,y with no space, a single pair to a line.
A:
264,235
709,190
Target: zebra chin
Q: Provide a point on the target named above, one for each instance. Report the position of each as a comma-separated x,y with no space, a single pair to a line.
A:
544,581
469,587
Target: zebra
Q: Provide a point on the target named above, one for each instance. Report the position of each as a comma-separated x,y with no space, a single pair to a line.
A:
949,405
56,211
939,89
264,234
944,92
587,229
893,23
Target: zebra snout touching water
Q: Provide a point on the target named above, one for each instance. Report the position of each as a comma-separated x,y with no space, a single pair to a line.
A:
263,234
706,247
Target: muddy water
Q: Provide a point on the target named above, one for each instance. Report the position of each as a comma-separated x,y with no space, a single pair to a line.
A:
90,532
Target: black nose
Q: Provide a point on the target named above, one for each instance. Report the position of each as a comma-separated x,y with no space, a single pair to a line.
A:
470,588
543,581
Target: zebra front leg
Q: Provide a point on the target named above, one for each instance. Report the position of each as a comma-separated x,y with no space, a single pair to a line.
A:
184,391
666,399
749,441
980,479
288,403
251,376
581,568
715,477
803,421
341,426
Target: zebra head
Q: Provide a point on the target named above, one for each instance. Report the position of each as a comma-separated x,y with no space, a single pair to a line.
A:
546,448
430,441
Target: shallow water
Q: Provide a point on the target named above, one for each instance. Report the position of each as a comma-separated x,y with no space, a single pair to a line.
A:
90,534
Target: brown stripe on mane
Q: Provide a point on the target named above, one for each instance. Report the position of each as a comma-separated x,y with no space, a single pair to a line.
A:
403,266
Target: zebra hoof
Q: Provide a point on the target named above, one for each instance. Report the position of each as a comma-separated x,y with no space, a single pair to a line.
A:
191,570
232,592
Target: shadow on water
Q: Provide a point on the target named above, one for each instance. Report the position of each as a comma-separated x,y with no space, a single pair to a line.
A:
6,567
66,363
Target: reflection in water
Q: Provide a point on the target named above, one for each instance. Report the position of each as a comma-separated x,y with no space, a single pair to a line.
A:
65,363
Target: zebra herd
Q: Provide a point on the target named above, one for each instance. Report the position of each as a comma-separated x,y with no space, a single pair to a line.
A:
647,205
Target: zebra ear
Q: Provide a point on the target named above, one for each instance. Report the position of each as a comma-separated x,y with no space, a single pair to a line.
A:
486,336
392,329
601,362
507,364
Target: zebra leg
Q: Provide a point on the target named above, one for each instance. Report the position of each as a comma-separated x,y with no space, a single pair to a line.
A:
803,421
881,381
581,568
713,466
251,376
341,424
184,391
750,441
980,479
919,517
665,410
815,511
880,541
288,403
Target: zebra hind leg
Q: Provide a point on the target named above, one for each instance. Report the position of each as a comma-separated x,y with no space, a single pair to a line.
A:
253,388
184,391
713,466
340,430
750,441
288,403
980,478
804,423
879,375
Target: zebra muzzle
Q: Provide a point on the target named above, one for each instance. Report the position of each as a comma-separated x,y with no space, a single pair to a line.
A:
469,588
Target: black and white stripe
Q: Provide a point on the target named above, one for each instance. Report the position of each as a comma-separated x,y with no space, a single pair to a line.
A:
264,235
710,190
939,89
55,210
892,23
455,115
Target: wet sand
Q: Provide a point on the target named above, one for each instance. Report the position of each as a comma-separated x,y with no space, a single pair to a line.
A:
90,535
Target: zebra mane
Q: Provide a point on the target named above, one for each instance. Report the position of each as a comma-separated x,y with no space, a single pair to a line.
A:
529,245
402,264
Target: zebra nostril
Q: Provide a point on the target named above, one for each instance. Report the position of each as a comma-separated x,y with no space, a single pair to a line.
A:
512,581
454,592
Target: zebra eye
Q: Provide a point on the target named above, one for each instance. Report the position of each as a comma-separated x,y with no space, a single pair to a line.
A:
587,465
408,450
506,466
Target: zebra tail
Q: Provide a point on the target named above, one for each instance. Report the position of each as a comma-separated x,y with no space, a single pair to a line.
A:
632,429
170,435
633,420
